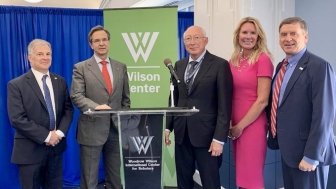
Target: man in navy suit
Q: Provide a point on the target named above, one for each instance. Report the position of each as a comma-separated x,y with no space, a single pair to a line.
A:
39,139
306,111
206,85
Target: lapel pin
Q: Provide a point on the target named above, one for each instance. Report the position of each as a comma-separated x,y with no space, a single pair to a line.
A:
301,68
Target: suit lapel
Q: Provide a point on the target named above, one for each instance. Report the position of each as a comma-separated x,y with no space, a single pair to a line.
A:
94,68
31,80
55,85
299,69
206,64
117,74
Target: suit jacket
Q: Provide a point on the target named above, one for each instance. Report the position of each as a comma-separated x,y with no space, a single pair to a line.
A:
306,115
88,90
211,93
29,116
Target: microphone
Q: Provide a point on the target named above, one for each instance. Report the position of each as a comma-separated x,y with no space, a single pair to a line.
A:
169,65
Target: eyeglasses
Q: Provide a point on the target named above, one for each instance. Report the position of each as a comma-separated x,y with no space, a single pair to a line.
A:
195,38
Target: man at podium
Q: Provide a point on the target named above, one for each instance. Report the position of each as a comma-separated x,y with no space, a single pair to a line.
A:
99,83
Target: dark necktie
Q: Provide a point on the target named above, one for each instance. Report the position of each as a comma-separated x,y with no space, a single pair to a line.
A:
275,96
106,76
47,99
190,74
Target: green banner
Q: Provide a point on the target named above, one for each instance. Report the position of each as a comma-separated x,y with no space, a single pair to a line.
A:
142,38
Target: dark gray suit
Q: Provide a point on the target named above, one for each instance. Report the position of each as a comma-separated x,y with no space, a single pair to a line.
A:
98,133
29,116
306,115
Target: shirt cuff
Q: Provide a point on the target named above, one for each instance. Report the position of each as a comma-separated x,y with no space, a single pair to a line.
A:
48,138
220,142
311,161
60,133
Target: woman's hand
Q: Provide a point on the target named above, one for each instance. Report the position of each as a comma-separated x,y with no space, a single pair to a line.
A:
236,131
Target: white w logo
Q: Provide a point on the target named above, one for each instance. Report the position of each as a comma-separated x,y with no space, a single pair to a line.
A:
136,48
142,143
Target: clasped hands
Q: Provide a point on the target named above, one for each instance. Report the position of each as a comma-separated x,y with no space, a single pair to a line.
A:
54,139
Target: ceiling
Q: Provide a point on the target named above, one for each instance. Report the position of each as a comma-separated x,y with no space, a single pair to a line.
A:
92,4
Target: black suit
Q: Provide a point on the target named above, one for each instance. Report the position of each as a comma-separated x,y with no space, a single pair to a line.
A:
29,116
211,93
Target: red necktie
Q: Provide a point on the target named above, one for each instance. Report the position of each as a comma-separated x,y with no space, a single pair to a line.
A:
106,77
275,96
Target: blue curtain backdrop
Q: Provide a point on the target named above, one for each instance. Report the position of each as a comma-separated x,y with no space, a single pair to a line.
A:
66,30
185,19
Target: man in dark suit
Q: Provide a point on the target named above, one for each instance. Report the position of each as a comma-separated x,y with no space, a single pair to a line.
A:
99,83
40,124
302,120
206,85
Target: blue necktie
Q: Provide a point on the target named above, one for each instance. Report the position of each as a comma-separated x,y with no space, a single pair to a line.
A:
47,99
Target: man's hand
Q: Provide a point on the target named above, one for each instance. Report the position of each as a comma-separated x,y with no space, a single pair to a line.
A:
216,148
54,139
103,107
167,139
305,166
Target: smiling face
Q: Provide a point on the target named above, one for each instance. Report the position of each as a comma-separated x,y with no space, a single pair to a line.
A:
292,38
248,36
195,41
40,57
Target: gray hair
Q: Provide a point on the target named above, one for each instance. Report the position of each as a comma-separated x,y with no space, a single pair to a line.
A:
36,42
198,27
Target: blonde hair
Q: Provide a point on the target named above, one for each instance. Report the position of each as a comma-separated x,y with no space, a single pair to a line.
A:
260,47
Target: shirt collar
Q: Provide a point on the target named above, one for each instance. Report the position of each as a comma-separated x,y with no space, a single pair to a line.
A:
293,60
38,75
199,59
98,60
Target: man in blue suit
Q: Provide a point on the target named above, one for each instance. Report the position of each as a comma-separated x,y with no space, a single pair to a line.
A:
40,110
305,114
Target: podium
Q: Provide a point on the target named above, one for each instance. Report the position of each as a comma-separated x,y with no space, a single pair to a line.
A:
141,143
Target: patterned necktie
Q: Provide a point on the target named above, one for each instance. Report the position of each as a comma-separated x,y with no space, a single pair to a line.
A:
275,96
47,99
106,76
190,74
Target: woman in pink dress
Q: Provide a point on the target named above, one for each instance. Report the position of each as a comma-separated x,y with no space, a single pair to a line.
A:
252,71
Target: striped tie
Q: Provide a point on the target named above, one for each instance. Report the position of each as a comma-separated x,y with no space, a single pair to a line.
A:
275,96
190,74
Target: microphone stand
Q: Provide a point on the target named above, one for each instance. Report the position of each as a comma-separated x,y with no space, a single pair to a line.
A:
171,94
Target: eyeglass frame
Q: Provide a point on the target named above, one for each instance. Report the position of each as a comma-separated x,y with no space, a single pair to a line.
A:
195,38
